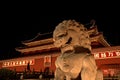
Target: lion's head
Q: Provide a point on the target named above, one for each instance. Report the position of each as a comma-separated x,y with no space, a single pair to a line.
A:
71,36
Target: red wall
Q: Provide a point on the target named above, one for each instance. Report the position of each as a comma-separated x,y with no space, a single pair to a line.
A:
39,61
37,66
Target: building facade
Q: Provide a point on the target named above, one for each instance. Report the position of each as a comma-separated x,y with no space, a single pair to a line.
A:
40,53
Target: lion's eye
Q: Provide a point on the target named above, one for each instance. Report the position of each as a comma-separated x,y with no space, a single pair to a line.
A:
61,35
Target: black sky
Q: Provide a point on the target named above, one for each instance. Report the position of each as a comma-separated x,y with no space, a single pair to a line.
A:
15,29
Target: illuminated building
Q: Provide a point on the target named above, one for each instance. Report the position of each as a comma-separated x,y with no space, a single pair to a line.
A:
41,53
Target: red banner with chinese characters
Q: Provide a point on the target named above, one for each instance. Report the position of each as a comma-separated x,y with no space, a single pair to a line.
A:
107,54
17,63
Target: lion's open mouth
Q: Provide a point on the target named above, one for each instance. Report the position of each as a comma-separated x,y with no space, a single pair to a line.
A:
79,49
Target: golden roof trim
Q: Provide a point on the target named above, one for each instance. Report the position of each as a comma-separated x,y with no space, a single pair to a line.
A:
39,42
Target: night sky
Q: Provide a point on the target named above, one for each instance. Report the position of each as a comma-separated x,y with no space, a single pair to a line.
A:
17,29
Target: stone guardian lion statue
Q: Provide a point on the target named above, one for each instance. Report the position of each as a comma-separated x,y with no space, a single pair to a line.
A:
75,61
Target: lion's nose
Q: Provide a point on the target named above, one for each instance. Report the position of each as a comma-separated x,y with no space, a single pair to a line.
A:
69,40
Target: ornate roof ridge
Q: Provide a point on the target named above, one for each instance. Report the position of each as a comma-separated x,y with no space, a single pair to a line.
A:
37,37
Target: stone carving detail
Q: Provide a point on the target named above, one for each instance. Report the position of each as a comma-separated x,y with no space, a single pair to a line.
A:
76,61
